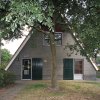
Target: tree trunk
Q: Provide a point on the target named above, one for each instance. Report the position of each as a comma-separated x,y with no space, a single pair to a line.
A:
0,51
54,62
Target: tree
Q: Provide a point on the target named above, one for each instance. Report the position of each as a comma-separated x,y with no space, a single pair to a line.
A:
5,57
80,17
4,6
33,16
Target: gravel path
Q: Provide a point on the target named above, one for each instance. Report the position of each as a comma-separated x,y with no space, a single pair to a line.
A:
11,92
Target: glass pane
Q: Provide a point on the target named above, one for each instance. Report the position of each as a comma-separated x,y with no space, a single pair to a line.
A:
58,39
26,64
78,67
58,36
26,72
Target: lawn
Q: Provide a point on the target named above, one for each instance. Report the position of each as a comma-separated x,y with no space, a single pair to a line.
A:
68,90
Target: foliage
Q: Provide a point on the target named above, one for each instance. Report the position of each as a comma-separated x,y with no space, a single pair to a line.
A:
5,57
98,60
72,49
21,13
79,16
98,73
6,78
82,18
4,10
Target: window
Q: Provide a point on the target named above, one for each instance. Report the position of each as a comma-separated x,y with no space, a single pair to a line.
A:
78,66
58,39
26,64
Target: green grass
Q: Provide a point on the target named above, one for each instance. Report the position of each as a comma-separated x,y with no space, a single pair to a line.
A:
93,83
68,90
98,76
36,86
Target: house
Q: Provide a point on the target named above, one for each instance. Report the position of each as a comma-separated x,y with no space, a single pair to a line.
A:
32,61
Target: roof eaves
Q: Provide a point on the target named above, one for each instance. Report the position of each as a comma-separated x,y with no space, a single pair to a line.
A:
18,51
90,59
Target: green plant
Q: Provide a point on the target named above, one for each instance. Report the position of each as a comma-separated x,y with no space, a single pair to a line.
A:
5,58
37,86
6,78
9,78
99,67
1,79
2,72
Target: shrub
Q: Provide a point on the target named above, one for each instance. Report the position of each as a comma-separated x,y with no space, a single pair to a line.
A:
99,67
1,79
6,78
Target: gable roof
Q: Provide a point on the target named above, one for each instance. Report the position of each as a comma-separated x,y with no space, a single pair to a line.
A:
18,51
28,37
80,45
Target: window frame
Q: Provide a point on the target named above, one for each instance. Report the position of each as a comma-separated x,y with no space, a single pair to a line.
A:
82,66
47,44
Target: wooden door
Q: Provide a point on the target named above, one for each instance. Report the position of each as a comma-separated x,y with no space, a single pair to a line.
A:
68,69
37,65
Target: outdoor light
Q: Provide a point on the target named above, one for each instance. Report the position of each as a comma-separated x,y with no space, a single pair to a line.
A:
45,60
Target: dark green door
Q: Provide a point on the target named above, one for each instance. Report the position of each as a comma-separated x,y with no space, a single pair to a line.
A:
68,69
37,65
26,69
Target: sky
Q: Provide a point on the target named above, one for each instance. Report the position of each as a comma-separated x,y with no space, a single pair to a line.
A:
12,46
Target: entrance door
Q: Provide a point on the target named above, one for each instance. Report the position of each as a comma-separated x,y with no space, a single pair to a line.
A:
26,69
37,65
68,69
78,69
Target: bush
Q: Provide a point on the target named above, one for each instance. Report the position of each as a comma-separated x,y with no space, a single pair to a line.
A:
99,67
6,78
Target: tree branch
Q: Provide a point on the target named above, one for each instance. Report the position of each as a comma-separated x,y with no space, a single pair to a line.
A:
40,30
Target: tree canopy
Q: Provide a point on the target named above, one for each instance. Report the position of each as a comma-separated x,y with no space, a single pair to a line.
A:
5,57
79,16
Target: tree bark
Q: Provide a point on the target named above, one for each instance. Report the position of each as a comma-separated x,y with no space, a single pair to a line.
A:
54,62
0,51
54,84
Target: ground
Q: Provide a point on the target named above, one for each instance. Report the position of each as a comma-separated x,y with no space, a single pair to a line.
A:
40,90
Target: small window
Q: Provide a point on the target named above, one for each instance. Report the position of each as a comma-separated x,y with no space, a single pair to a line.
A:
78,66
26,63
58,39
